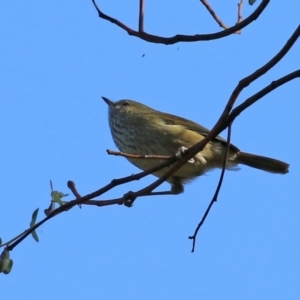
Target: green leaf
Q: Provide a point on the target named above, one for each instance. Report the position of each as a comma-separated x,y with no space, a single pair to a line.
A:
61,195
35,236
34,216
0,241
32,223
56,197
251,2
5,253
4,260
8,267
4,264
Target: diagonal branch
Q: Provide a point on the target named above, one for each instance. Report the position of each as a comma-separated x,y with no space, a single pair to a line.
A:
268,89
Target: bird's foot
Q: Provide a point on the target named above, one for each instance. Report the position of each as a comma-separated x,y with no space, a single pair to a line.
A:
180,152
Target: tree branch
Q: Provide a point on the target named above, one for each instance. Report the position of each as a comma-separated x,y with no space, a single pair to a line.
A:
215,197
141,16
184,38
218,20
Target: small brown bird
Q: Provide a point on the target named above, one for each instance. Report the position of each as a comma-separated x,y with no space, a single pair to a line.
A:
139,129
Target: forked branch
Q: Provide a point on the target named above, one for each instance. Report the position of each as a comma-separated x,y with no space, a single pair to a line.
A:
218,20
180,37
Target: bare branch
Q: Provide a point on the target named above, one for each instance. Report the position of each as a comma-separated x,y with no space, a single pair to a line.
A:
240,6
72,187
213,14
184,38
136,156
141,16
251,100
218,20
215,197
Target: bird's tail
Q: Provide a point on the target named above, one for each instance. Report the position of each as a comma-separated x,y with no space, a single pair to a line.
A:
263,163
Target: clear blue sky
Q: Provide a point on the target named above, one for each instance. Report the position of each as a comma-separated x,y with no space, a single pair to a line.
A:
57,60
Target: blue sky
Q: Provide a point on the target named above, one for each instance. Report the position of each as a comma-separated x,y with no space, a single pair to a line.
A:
57,60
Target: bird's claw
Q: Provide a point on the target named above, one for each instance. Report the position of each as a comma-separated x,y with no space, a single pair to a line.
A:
181,151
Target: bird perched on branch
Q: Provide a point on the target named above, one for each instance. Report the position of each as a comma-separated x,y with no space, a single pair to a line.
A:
139,129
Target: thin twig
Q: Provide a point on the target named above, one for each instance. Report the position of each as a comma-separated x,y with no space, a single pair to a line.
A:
262,93
72,187
261,71
215,197
141,16
218,20
213,14
136,156
240,6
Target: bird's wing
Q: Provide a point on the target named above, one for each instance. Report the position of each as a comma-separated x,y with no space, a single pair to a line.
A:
169,119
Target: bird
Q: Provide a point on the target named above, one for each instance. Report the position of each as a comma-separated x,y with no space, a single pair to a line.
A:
141,130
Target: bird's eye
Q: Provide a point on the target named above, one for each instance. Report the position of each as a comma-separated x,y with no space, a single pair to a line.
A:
125,103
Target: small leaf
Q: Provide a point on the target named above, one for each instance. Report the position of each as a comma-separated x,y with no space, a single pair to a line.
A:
35,236
32,223
56,197
0,241
4,264
4,260
8,267
61,195
34,216
251,2
4,254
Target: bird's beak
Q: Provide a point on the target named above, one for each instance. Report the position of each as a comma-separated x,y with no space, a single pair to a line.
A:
108,102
